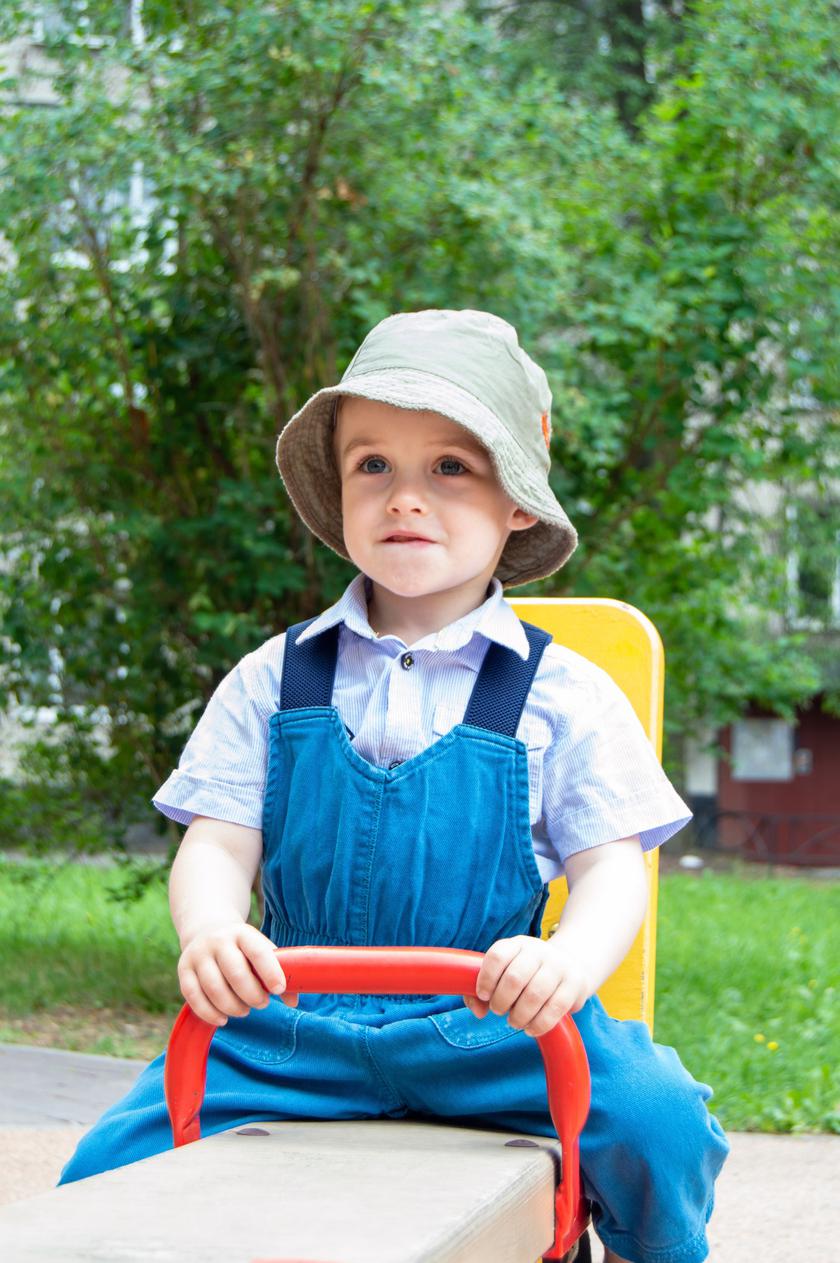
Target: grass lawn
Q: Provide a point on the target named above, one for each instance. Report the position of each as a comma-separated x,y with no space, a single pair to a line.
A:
81,967
748,980
748,991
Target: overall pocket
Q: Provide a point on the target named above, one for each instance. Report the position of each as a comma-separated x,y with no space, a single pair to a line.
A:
266,1037
462,1030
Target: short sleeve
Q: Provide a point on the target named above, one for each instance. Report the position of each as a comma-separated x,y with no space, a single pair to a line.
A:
601,778
222,770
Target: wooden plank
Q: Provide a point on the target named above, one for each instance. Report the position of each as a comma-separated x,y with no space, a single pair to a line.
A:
358,1192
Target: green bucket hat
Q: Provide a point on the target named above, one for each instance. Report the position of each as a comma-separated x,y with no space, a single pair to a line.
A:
467,366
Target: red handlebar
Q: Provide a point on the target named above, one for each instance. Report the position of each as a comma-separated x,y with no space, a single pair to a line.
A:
400,971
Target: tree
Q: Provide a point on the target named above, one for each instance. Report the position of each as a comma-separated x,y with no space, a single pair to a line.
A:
600,51
310,168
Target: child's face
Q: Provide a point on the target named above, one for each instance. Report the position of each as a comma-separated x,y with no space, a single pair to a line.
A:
423,510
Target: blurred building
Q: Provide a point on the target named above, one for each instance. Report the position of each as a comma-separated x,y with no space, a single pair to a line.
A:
764,787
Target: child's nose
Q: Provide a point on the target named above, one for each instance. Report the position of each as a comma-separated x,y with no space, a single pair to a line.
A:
407,495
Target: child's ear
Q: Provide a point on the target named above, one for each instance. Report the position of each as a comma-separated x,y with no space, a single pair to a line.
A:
521,521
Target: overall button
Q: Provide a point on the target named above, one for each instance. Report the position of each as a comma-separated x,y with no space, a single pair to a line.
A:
396,763
407,661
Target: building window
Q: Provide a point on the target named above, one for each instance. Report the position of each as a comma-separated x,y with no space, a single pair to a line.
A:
813,566
762,750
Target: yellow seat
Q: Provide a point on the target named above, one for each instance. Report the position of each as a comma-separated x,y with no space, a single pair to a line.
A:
625,643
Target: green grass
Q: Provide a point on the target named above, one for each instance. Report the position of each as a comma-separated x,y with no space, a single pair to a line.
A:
748,980
748,991
69,937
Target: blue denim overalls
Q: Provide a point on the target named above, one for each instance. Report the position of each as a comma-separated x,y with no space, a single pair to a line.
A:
434,851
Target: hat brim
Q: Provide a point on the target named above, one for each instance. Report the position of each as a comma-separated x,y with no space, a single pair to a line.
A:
307,466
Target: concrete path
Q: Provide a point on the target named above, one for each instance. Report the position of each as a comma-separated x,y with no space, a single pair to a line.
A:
44,1087
48,1099
778,1197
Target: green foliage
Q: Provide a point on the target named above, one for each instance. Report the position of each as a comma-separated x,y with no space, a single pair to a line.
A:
603,52
671,258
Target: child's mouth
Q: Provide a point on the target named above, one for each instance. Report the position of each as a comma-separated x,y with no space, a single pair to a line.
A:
407,539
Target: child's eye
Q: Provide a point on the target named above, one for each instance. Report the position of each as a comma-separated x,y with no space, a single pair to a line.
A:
373,465
449,465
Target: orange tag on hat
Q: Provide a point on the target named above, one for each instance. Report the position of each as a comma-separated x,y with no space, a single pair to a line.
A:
546,429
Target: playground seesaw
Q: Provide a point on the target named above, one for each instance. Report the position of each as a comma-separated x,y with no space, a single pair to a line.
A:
380,1191
330,1192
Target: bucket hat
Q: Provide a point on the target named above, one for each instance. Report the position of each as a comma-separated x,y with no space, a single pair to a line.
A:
467,366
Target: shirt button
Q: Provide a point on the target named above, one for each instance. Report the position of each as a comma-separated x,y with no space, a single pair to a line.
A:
407,661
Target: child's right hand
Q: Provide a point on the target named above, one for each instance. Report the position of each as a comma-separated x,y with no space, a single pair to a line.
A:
227,970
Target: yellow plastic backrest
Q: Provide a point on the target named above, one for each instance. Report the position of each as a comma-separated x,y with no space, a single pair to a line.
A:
625,643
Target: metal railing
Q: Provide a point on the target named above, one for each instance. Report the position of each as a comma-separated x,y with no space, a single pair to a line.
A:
806,839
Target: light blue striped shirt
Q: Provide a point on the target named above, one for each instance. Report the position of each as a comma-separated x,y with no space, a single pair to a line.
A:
594,776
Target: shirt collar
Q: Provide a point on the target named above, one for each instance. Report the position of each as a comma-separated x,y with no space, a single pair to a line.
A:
494,620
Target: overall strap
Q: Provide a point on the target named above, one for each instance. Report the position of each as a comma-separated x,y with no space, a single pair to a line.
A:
501,690
308,669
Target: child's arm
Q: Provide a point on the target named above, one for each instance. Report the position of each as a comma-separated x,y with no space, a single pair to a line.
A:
536,981
227,967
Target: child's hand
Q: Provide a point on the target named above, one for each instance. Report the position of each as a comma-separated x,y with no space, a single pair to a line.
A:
533,981
226,970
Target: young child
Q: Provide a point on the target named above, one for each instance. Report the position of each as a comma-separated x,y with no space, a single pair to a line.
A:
411,767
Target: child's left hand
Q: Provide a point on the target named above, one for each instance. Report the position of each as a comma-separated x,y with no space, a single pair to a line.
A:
533,981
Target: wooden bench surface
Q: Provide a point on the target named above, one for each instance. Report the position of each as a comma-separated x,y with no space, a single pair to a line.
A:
358,1192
